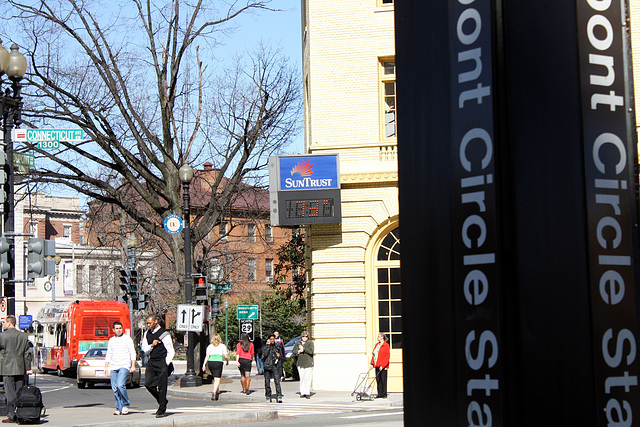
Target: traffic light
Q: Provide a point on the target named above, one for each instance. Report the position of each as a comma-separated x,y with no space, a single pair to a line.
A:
215,306
39,249
143,301
4,257
134,281
200,283
125,281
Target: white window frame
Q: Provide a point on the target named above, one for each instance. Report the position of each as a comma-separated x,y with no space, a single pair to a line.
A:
268,233
252,269
268,269
251,232
387,79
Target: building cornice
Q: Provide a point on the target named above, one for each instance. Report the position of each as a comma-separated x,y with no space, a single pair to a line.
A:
355,179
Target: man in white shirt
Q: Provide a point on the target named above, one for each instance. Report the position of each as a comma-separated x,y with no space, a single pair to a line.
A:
158,343
121,359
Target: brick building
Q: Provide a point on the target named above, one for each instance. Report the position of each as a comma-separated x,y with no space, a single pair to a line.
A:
84,272
349,96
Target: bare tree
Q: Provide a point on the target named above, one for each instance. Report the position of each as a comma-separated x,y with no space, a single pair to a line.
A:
138,82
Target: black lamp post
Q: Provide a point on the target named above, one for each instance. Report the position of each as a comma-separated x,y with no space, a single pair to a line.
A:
14,65
190,378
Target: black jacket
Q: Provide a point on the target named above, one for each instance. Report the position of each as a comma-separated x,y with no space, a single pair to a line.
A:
270,356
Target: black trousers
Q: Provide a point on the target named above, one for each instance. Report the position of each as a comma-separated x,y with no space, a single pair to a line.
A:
270,374
155,380
381,379
12,383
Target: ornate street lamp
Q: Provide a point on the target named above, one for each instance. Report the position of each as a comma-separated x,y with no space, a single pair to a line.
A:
14,65
185,173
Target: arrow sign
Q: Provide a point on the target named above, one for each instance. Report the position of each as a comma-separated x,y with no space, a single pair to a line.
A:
189,317
247,312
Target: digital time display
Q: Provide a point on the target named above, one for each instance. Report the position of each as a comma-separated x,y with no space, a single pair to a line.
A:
306,207
309,208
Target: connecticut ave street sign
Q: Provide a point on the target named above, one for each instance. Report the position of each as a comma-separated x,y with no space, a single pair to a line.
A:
48,139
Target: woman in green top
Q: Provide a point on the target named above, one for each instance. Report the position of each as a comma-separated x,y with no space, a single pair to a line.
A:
216,353
304,351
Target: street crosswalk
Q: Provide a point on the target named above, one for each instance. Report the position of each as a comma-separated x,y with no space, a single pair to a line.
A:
284,409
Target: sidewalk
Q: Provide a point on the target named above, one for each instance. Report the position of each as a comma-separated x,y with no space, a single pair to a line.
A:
230,393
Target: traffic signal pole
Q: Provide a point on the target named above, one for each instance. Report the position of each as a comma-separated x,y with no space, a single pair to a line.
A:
11,117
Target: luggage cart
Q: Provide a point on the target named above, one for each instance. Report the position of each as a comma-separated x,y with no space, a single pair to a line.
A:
364,386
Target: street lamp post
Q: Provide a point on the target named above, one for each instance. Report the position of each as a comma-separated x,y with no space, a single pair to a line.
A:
190,378
226,323
57,259
14,65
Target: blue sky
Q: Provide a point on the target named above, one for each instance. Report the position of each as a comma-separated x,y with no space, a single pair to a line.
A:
273,28
282,27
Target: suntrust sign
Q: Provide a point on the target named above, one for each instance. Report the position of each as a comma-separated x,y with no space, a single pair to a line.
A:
304,190
609,156
308,173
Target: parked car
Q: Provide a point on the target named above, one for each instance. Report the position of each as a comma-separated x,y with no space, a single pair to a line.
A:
288,347
91,370
291,369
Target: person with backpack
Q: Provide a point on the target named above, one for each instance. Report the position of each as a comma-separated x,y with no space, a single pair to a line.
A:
158,343
121,360
280,343
272,359
15,363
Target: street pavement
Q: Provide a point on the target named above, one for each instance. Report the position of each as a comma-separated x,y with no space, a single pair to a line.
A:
232,406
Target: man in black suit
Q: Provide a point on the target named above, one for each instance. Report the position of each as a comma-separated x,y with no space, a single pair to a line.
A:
15,363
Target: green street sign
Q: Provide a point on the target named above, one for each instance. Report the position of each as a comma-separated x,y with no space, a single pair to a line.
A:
247,312
220,288
23,162
48,139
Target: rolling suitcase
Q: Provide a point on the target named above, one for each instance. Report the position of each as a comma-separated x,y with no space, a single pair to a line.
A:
29,407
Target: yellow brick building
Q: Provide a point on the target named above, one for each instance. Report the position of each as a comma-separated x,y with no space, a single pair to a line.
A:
354,267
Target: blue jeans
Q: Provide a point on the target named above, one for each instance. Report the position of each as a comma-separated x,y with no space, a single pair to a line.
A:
119,387
259,364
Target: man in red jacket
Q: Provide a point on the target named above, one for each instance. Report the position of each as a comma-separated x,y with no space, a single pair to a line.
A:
380,361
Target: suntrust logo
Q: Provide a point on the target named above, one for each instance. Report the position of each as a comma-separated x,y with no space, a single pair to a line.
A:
303,169
309,173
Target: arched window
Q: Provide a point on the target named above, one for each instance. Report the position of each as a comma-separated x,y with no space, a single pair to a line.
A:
389,287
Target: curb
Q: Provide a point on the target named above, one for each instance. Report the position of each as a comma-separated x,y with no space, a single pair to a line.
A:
195,420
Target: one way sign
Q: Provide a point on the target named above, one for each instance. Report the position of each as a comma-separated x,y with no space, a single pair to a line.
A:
189,317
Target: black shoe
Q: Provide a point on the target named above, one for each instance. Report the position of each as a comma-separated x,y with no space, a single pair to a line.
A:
302,396
307,396
161,414
279,400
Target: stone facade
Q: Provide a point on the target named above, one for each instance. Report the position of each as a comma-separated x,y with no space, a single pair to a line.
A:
343,45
